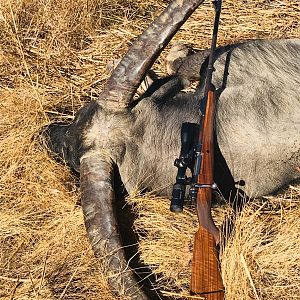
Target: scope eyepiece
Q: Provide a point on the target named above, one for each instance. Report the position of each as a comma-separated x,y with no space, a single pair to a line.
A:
177,200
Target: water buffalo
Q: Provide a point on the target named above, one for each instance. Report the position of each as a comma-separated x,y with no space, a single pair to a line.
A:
257,125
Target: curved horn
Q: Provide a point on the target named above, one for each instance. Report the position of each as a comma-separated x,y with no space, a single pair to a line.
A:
128,75
97,198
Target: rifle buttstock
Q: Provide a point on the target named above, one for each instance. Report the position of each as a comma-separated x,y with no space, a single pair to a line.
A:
206,278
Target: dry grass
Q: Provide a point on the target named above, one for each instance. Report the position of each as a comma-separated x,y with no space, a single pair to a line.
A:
53,54
260,261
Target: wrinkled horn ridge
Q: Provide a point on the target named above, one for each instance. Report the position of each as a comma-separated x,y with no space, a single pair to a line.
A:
128,75
97,198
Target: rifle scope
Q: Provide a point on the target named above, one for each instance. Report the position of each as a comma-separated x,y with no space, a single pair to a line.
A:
186,160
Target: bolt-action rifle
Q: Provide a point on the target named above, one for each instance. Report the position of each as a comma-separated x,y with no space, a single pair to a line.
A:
197,154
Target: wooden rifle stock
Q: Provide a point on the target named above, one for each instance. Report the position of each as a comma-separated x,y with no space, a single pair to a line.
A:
206,278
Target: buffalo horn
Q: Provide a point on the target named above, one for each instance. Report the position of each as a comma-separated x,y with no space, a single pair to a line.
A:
130,72
97,199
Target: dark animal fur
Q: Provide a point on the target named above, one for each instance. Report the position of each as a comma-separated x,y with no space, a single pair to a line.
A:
257,121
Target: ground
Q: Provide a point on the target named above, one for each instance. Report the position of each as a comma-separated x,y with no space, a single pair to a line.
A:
53,57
